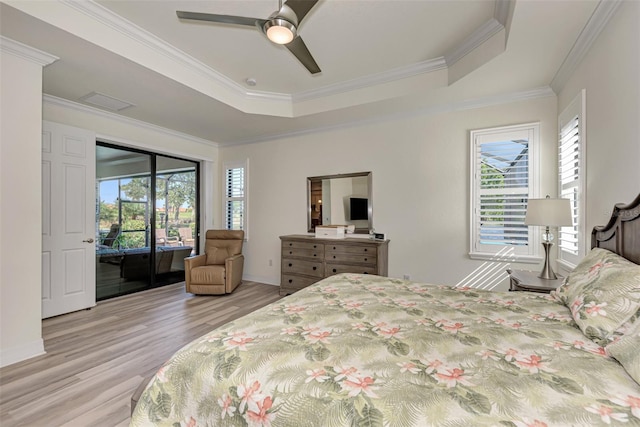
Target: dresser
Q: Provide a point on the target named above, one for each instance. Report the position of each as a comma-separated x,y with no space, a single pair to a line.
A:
307,259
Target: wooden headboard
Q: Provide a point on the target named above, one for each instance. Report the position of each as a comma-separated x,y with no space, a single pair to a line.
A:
622,233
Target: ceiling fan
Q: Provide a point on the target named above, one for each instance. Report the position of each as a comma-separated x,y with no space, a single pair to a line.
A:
280,28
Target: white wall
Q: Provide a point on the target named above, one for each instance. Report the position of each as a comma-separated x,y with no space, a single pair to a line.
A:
420,168
21,213
610,73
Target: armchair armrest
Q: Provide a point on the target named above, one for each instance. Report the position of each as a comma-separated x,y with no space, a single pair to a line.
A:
194,261
233,266
189,263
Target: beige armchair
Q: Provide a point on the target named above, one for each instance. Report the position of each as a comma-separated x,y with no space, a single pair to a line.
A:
219,270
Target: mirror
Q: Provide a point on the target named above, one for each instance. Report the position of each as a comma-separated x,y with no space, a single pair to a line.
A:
343,199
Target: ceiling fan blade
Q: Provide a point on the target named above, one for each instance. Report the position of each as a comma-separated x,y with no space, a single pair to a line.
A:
224,19
301,7
300,51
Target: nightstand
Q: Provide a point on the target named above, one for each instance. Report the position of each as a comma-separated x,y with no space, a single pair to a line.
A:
522,280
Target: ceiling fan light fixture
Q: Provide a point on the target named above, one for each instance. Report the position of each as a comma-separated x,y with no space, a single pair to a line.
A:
280,31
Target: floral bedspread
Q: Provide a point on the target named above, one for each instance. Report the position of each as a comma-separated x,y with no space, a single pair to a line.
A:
373,351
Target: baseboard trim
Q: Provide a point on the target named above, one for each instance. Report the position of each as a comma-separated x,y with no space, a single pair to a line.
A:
22,352
266,280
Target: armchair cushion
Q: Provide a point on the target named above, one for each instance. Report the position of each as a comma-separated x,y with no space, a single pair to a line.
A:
216,255
213,274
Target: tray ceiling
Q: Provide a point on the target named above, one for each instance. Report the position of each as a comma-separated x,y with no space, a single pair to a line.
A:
378,58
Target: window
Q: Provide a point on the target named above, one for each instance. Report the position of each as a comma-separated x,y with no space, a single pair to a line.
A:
504,176
235,196
571,168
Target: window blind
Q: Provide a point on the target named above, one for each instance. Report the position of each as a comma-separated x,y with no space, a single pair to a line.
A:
569,168
235,198
503,180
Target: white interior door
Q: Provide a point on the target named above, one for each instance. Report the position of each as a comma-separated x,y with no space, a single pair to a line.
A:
68,219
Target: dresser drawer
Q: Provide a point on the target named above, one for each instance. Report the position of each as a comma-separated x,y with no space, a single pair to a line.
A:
315,253
332,269
290,283
297,266
342,249
301,245
355,258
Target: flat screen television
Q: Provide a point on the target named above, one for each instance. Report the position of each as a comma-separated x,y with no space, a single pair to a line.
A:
359,208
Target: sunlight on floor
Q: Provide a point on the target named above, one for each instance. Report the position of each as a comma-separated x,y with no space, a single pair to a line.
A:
491,273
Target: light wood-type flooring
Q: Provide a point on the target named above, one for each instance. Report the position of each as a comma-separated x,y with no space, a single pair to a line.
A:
97,358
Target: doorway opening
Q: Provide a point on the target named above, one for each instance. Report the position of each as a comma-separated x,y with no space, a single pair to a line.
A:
147,219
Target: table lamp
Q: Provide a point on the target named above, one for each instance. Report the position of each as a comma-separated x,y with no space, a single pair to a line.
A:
548,213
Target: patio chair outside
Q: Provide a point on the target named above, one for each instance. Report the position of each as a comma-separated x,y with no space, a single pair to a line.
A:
186,236
163,240
111,237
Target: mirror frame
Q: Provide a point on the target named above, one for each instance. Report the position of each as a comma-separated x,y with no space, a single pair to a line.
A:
361,230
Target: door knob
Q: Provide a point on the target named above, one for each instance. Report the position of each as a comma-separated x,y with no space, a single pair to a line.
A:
89,240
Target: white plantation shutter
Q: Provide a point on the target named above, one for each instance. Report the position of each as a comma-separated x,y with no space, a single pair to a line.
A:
504,176
503,180
569,171
235,197
570,179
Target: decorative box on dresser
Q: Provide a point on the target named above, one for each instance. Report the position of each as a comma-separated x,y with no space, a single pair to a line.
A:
308,259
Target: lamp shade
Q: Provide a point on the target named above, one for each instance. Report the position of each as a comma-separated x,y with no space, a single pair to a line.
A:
549,212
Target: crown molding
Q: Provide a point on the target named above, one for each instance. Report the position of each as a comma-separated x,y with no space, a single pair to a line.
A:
598,20
112,20
501,11
268,96
471,104
54,100
23,51
476,39
399,73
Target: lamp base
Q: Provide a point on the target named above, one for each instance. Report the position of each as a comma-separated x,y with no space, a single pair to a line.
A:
547,272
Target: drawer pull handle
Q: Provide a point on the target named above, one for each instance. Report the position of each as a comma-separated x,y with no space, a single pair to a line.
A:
290,264
334,257
365,249
290,244
314,246
290,280
315,254
290,252
334,270
365,273
334,248
365,259
315,268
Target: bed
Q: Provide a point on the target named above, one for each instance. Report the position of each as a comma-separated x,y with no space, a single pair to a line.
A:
356,350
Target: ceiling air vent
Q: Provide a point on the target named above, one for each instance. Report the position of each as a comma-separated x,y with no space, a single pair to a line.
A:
104,101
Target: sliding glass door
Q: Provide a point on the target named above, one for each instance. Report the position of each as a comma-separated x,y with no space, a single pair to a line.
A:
176,216
144,201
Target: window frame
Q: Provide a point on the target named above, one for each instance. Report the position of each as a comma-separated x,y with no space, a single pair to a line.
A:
575,109
529,253
239,164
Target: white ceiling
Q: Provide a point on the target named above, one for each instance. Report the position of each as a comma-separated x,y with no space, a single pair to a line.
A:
378,58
